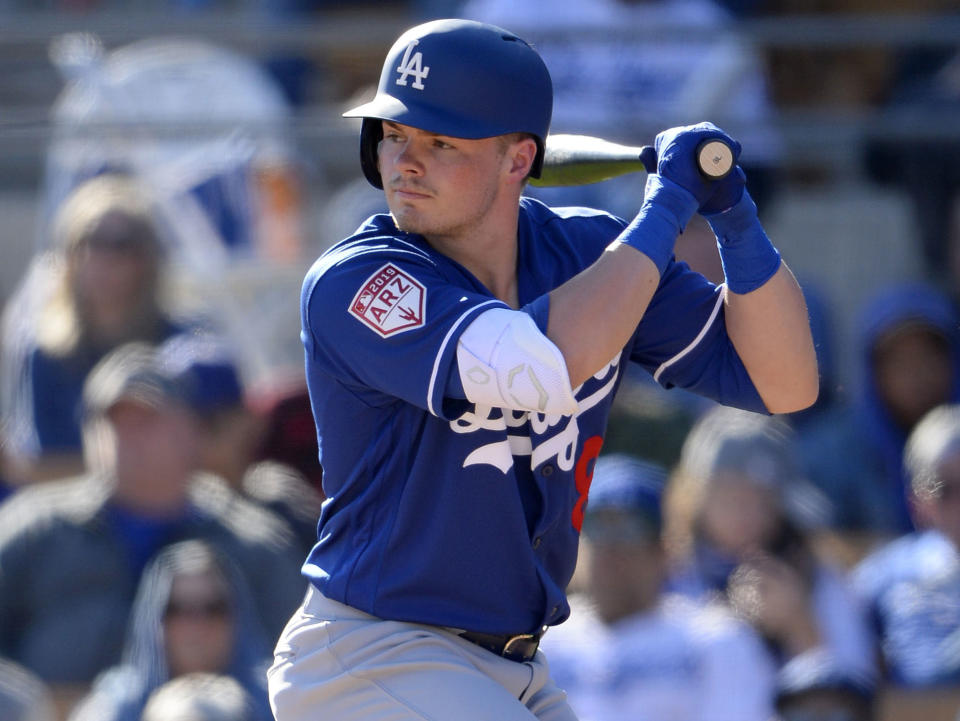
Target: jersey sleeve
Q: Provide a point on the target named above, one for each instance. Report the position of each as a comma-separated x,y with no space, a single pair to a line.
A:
384,322
682,341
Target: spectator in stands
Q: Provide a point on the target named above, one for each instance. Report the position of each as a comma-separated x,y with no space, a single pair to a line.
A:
105,279
910,363
232,433
630,650
912,584
71,552
192,614
23,696
198,697
740,518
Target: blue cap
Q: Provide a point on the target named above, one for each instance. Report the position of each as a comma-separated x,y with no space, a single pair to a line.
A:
204,367
630,485
461,78
131,372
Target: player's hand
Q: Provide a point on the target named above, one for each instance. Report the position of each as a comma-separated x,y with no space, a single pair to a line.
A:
677,157
726,193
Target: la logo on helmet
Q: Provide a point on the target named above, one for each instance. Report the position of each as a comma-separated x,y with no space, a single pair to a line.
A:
412,64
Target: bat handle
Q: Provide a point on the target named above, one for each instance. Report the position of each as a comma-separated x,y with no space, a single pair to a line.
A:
714,158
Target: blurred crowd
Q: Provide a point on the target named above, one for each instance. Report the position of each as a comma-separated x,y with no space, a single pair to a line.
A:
159,479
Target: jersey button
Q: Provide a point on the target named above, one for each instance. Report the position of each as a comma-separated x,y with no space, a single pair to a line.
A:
547,470
537,541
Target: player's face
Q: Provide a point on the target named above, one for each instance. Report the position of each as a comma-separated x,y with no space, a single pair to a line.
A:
438,185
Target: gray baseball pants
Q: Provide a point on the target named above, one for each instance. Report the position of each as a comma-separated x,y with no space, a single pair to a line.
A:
335,662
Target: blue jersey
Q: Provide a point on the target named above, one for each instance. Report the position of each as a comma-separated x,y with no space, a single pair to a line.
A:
444,512
911,587
55,387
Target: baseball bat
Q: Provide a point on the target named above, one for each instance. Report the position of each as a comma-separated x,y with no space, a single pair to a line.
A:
583,159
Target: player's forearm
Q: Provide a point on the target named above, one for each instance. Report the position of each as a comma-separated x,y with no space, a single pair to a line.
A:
594,314
770,329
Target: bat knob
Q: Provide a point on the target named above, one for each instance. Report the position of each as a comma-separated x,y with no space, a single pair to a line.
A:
715,158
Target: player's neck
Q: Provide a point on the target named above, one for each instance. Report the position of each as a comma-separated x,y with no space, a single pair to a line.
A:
497,270
490,253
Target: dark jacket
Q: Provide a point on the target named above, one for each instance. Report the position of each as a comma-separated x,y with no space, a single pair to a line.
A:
67,580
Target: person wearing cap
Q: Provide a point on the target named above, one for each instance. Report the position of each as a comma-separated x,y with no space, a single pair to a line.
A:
232,433
72,551
462,354
632,649
740,525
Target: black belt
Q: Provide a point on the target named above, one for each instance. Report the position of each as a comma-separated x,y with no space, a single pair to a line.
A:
519,647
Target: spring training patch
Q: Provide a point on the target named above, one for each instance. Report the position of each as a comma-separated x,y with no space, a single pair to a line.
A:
390,301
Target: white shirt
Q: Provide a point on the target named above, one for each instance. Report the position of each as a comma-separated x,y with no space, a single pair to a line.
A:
681,661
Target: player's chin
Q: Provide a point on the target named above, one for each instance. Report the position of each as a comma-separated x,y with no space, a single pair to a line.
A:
410,220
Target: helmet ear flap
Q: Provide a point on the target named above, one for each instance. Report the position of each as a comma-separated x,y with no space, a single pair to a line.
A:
371,133
537,167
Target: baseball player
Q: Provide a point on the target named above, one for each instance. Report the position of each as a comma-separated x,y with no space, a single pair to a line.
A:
462,354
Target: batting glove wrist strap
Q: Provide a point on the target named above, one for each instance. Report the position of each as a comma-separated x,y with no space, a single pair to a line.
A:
748,257
666,209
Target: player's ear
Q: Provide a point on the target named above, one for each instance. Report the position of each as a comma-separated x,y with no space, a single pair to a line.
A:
520,155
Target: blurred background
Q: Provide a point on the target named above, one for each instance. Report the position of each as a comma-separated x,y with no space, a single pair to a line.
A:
228,114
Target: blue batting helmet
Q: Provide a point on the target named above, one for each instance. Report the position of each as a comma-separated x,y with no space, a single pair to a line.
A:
460,78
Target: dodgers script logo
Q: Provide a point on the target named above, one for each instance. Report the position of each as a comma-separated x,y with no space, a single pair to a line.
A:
412,64
390,301
558,438
560,444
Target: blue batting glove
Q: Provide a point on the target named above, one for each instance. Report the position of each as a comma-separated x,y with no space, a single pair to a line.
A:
677,153
748,257
726,193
